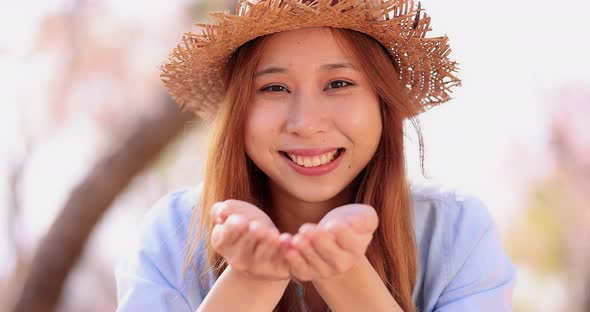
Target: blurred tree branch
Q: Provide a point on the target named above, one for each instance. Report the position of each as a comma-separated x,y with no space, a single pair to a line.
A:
60,249
570,145
14,215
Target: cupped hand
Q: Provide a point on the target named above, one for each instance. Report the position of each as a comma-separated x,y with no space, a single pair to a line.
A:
332,247
248,240
362,218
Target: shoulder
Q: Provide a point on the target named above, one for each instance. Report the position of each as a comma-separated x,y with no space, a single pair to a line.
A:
451,216
456,212
459,246
165,226
171,213
150,273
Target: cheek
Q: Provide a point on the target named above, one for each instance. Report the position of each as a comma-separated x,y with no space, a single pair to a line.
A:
360,120
260,130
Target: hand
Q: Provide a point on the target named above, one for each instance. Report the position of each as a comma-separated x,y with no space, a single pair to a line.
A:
333,246
248,240
362,218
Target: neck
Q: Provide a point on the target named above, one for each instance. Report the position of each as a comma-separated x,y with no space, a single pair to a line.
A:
294,212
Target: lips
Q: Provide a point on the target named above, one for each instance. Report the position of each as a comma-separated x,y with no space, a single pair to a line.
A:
313,161
310,151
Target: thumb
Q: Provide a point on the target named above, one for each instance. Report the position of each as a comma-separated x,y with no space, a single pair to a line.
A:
361,218
249,211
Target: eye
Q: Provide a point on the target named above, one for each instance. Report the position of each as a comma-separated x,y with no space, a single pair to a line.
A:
274,88
337,84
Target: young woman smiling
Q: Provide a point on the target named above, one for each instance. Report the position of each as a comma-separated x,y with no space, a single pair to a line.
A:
305,204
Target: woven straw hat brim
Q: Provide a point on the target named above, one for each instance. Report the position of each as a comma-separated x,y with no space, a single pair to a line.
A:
193,73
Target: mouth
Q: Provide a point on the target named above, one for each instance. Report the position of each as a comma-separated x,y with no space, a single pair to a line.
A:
313,161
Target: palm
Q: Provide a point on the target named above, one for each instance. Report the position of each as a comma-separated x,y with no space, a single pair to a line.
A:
248,240
250,212
362,218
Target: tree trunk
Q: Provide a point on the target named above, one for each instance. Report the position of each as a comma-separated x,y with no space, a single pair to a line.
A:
61,247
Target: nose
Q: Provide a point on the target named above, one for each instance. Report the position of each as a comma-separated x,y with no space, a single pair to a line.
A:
306,115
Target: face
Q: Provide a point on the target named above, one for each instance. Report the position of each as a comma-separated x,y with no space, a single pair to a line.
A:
314,122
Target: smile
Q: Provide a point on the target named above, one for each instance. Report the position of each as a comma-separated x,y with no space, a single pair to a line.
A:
314,161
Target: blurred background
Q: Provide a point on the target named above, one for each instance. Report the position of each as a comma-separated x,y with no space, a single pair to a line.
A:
90,140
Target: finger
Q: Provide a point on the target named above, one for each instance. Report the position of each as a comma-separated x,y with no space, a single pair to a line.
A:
346,238
285,241
268,245
225,235
337,258
298,265
217,238
251,212
310,233
363,219
317,265
247,242
267,254
219,212
280,256
279,264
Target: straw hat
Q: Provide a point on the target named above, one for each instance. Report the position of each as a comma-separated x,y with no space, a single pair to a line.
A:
193,73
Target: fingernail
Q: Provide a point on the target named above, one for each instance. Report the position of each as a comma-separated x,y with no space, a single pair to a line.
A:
332,226
253,227
285,237
215,207
218,207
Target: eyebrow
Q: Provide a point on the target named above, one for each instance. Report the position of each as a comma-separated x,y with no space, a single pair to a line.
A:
324,67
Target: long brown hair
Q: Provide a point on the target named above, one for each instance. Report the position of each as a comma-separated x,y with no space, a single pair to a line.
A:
382,183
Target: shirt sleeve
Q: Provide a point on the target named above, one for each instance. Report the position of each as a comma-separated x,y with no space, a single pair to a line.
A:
479,273
149,276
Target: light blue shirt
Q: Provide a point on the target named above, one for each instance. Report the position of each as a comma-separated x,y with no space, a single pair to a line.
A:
462,265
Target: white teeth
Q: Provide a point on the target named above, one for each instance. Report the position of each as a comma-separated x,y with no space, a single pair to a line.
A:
316,161
313,161
324,159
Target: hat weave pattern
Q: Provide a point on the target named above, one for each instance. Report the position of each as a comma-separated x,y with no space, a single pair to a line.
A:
193,72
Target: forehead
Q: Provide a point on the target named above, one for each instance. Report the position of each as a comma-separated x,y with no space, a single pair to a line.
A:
305,46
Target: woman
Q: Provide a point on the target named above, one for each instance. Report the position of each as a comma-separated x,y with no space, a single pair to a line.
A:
305,203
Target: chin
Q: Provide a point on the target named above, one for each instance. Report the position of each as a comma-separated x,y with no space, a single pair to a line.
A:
312,193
